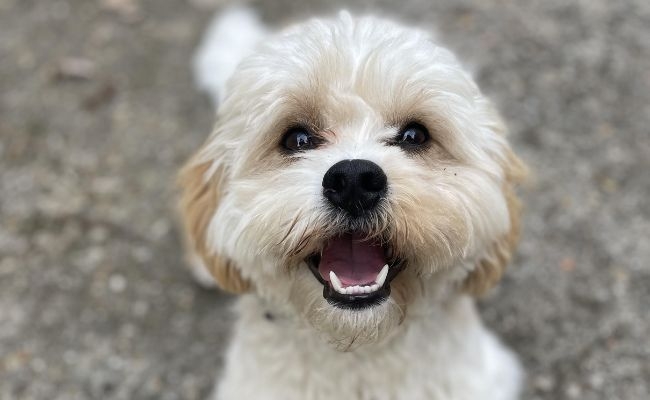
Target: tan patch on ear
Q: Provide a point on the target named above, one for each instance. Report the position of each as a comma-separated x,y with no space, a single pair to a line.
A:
199,201
490,268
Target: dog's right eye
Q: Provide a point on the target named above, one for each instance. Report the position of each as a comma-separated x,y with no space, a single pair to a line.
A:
299,139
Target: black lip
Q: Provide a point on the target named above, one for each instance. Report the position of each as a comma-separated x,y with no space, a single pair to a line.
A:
355,301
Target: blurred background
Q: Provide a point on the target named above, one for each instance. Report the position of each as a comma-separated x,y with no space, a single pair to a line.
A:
98,110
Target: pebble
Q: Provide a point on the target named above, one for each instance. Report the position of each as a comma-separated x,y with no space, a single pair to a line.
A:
117,283
544,383
573,390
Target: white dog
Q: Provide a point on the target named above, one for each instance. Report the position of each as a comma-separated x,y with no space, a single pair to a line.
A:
358,190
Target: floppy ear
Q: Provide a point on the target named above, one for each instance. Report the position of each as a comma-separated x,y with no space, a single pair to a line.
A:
492,265
199,201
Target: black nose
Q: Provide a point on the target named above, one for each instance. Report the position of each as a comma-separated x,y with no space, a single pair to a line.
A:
354,185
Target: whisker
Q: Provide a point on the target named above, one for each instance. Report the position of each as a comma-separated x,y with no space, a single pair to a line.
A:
294,222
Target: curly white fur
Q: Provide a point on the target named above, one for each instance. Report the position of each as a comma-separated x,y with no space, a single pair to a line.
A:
357,80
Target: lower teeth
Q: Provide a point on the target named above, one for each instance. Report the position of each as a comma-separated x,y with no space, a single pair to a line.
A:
379,282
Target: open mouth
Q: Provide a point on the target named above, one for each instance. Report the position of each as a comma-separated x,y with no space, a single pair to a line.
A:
356,273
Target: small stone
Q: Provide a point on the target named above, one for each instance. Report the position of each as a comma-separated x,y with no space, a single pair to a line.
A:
8,266
573,390
115,363
544,383
160,228
38,365
128,10
117,283
127,331
596,381
15,361
106,185
609,185
98,234
75,68
103,94
140,308
568,264
207,4
70,357
142,254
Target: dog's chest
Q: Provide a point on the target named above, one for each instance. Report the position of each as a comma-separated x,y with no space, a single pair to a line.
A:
273,359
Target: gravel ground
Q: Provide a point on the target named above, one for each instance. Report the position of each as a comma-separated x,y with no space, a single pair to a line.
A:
98,110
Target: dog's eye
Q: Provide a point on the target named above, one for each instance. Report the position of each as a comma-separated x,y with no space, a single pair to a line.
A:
299,139
412,135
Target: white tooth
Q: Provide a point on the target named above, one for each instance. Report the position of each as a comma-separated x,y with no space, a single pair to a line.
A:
381,278
367,289
374,287
336,282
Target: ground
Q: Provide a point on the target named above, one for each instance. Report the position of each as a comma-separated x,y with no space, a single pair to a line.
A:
98,110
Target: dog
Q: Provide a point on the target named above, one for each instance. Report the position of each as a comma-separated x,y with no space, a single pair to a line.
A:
358,192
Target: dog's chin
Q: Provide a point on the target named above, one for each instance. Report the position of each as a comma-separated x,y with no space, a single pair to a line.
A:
347,329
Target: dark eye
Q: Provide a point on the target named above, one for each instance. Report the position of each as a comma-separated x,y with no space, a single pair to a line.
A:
412,135
299,139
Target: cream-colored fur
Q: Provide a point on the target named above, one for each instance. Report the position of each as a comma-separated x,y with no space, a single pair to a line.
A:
439,352
253,213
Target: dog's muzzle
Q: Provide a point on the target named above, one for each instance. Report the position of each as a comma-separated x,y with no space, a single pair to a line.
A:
355,270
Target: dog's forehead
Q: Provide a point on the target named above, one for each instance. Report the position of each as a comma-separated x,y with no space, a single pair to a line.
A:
349,64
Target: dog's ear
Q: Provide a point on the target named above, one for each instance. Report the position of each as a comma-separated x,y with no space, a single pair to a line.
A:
199,201
489,269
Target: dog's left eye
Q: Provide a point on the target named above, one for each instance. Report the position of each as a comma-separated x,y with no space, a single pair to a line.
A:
412,135
299,139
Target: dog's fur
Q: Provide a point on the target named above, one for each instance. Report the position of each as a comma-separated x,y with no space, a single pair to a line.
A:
253,213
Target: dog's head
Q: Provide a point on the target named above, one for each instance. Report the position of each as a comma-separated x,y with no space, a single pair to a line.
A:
355,168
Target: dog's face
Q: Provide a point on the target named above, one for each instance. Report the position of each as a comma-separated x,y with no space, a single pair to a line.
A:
355,169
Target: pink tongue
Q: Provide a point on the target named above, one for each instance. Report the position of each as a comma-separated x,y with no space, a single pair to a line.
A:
354,261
